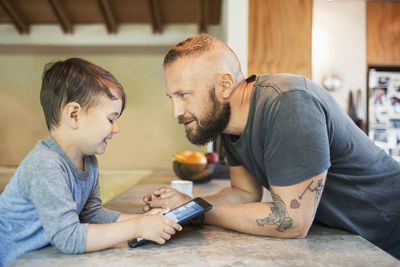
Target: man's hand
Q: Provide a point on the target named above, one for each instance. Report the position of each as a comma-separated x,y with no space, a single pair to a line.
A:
165,198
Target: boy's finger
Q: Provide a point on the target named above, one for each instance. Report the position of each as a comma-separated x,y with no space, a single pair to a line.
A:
174,225
160,240
165,236
170,230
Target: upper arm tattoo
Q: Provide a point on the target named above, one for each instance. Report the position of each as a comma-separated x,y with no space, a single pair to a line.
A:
294,204
278,216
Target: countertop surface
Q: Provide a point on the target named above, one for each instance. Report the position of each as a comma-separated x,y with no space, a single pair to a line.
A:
214,246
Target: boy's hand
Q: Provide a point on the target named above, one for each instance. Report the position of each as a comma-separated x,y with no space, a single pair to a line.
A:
165,198
156,228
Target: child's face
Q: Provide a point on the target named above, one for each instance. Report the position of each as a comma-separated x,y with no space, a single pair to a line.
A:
98,124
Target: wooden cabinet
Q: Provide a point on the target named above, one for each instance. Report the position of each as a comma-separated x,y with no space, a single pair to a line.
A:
280,36
383,33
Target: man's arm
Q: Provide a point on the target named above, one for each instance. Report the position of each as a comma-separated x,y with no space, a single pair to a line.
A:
244,188
290,215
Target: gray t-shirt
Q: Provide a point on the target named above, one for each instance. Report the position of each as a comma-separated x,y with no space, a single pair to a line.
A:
295,130
49,200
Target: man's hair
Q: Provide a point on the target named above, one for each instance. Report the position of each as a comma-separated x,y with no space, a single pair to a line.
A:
191,46
75,80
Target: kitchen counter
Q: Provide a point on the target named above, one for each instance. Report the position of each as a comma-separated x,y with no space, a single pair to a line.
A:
214,246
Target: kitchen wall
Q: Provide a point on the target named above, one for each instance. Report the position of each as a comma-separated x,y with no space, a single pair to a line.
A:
339,46
149,135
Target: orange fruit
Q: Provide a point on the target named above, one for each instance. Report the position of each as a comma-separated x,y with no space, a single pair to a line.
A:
182,156
185,153
196,158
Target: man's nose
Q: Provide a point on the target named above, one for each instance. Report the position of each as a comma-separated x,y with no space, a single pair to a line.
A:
177,109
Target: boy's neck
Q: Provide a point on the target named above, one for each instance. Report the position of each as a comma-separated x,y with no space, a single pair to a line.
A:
69,148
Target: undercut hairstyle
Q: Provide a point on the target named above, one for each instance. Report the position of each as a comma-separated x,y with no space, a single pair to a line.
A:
75,80
191,46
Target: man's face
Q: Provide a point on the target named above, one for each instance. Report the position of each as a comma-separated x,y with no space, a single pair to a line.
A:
207,127
195,103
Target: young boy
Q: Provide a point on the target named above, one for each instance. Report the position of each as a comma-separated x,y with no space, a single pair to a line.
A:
54,195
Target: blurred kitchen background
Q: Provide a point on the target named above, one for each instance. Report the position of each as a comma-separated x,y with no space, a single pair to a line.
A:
334,43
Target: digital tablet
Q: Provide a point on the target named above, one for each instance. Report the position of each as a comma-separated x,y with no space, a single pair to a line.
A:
180,215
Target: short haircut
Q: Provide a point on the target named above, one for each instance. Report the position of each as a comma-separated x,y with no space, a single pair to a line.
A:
75,80
191,46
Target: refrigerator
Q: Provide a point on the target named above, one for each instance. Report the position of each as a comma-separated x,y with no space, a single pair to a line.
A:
383,108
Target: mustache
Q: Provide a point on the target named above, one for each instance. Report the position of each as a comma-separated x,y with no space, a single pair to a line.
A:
183,120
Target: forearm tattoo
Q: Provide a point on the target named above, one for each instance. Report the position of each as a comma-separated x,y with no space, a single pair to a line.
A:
278,215
295,204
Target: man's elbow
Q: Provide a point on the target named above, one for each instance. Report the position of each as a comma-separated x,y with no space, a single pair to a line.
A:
296,231
300,231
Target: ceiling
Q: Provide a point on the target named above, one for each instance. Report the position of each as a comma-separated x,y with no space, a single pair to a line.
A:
111,13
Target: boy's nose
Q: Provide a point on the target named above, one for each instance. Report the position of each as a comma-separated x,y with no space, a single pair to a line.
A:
115,128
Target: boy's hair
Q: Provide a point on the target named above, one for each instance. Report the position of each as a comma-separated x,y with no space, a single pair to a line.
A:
191,46
75,80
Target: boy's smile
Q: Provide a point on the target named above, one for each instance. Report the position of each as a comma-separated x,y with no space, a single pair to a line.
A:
98,124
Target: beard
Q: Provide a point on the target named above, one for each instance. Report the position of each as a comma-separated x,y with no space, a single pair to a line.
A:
213,124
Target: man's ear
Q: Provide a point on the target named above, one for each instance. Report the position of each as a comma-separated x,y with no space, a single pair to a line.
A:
225,82
70,114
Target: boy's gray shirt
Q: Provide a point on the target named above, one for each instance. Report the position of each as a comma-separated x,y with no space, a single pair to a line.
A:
50,200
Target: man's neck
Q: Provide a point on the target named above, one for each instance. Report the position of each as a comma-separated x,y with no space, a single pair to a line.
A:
240,104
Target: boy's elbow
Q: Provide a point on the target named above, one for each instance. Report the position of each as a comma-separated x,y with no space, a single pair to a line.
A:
66,249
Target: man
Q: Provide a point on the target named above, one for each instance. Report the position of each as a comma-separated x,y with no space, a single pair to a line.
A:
284,133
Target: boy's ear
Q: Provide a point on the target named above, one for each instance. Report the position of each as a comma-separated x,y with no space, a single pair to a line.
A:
225,83
71,112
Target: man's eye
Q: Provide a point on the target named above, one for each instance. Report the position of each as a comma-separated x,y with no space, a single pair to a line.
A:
183,95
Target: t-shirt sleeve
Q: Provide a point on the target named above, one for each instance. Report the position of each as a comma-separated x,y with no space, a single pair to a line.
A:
297,143
43,183
92,212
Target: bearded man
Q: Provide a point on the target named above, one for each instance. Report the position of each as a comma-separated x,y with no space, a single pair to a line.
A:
287,134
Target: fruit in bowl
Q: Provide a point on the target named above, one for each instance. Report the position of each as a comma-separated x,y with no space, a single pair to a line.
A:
195,166
194,161
212,157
